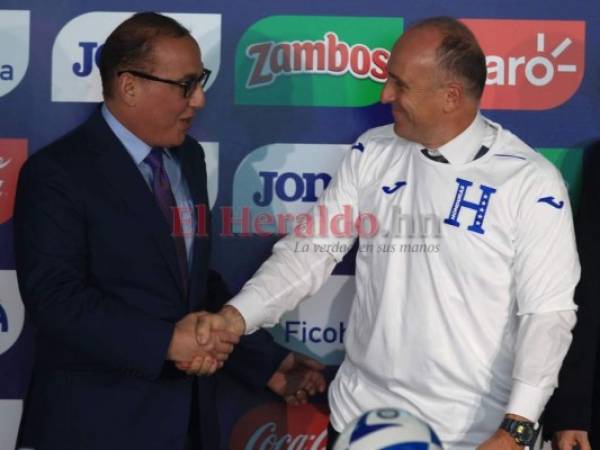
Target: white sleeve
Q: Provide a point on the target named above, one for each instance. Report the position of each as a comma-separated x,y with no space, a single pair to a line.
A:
546,272
302,261
542,344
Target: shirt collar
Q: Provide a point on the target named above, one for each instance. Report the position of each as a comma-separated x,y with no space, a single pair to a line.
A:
463,148
137,149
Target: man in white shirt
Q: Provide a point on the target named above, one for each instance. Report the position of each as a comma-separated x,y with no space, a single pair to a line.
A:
464,283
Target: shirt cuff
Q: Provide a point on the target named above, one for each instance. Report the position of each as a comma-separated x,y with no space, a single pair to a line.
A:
251,308
527,401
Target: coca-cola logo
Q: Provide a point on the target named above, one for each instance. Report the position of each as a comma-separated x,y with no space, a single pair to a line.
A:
278,426
13,153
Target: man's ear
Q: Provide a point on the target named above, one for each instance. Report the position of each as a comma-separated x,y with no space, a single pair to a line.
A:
454,96
126,87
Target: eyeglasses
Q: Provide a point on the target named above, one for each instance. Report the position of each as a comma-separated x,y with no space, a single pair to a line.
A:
188,86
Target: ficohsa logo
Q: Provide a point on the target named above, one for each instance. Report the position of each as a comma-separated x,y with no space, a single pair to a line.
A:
314,60
317,327
277,426
12,311
75,55
14,49
532,64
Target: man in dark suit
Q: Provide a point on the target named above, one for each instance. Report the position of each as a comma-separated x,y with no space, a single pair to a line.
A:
111,289
573,413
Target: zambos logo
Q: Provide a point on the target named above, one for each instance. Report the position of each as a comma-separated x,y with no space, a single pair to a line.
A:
532,64
314,60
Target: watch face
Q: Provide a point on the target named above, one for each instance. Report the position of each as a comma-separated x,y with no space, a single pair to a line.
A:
524,433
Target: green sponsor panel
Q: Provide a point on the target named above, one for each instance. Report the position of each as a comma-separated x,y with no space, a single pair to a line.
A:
314,60
568,161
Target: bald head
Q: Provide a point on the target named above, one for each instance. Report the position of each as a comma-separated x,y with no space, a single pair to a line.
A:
436,74
457,51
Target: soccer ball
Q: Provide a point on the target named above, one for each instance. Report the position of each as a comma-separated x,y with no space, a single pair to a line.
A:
388,429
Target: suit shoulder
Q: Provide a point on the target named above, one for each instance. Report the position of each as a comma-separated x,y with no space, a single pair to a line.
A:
66,148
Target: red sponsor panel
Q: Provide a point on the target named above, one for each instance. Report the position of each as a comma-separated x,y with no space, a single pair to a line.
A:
276,425
13,153
532,64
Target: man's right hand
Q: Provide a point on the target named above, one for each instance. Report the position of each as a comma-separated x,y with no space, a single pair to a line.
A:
209,326
185,348
228,319
568,439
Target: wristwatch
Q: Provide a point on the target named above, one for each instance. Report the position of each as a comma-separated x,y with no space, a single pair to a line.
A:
524,433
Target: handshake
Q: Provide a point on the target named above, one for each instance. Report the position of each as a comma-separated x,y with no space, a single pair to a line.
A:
202,342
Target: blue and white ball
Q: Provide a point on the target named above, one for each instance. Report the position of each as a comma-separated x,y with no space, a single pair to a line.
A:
388,429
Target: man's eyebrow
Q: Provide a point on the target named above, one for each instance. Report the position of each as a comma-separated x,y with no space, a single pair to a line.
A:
396,79
189,76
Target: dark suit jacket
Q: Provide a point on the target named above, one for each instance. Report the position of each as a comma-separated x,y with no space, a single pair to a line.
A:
97,271
576,402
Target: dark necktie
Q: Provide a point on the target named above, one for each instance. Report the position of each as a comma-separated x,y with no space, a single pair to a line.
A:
166,202
440,158
437,158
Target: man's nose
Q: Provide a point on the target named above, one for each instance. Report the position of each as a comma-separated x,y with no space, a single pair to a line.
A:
388,93
197,99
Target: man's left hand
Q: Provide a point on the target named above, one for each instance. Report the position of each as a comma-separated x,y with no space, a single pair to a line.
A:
297,378
500,440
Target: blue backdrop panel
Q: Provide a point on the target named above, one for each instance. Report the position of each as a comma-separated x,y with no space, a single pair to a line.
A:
544,86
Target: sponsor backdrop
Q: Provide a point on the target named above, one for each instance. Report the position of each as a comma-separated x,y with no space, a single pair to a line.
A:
294,84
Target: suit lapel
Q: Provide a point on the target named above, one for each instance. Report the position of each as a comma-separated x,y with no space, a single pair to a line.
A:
193,168
125,179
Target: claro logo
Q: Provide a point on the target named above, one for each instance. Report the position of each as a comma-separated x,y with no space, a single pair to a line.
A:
532,64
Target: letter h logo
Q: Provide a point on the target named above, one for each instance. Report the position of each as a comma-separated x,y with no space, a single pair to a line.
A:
479,208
